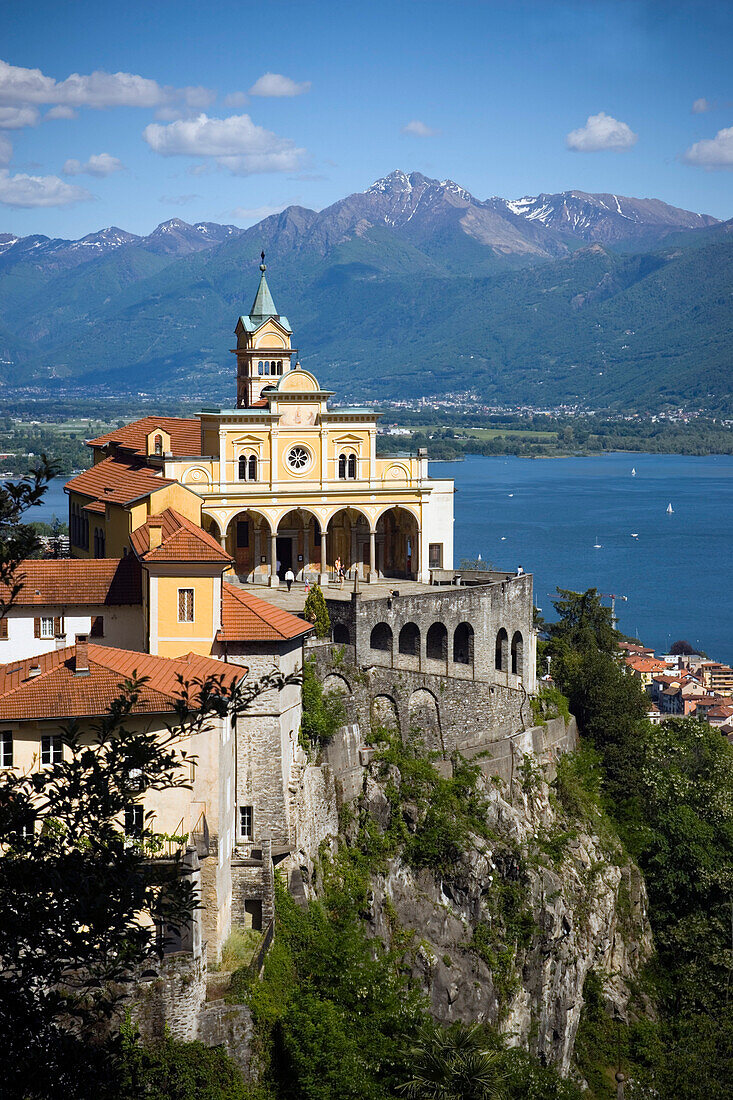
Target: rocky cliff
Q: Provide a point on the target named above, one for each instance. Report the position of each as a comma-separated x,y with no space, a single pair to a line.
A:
540,896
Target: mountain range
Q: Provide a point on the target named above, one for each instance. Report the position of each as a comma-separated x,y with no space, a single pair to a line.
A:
413,287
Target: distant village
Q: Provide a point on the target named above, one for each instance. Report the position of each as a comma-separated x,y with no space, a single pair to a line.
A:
683,685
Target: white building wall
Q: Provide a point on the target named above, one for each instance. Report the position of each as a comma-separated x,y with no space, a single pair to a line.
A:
123,629
437,525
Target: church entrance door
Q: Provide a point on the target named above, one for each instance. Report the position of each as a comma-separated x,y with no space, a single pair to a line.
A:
284,555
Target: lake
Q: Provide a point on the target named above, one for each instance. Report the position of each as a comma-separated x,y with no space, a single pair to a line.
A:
678,574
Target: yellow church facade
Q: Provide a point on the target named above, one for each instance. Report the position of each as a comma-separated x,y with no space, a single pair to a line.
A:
281,480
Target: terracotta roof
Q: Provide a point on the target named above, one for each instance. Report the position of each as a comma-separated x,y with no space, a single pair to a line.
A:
720,712
645,664
58,691
96,506
181,540
66,581
117,481
248,618
185,435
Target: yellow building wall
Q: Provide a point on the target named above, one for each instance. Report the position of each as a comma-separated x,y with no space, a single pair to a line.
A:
176,638
177,497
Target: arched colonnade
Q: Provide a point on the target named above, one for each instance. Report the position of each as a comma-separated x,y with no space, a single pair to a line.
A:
265,544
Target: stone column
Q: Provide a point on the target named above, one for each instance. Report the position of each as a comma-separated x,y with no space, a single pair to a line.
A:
274,579
416,556
323,575
372,556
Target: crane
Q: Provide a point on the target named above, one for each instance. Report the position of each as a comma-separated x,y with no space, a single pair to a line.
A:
613,596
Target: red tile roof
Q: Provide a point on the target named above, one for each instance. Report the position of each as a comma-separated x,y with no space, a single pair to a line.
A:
645,664
720,712
58,691
181,540
67,581
117,481
185,435
248,618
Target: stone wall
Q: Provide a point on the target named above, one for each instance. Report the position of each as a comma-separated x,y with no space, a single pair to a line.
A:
441,619
448,714
171,1003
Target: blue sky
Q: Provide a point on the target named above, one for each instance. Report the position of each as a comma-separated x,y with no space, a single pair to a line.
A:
230,111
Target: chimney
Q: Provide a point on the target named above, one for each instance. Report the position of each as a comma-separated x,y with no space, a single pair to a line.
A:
81,661
155,529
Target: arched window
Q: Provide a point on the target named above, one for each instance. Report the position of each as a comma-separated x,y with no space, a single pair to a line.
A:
158,444
342,466
260,367
341,634
381,637
463,644
409,641
352,467
247,468
436,645
501,654
279,366
517,654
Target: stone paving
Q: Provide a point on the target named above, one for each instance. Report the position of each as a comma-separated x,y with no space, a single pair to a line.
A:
295,599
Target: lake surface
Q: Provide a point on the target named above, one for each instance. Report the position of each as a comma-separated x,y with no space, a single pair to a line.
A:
678,574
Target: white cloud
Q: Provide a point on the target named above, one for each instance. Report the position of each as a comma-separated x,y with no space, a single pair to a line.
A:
600,132
235,143
98,89
256,213
274,84
99,164
701,105
6,150
28,191
61,112
235,99
15,118
418,129
712,153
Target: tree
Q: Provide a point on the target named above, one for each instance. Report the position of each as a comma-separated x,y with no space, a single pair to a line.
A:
456,1063
584,622
316,612
19,540
681,648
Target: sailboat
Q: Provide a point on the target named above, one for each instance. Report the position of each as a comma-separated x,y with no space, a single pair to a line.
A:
597,545
634,534
670,509
633,471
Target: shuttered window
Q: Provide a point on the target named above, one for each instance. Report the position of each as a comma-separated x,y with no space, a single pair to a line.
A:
47,627
185,605
3,628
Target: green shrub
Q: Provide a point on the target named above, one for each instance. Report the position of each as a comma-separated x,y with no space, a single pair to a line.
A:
323,712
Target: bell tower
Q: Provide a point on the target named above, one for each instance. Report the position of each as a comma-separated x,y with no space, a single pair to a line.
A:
263,348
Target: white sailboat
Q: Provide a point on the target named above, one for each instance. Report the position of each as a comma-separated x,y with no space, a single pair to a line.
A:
633,471
670,509
597,545
634,534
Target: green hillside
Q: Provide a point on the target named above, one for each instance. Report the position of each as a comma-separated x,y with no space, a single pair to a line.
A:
377,315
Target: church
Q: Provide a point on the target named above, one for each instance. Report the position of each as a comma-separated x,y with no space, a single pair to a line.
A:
281,480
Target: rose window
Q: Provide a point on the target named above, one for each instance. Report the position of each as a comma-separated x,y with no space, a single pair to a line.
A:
298,458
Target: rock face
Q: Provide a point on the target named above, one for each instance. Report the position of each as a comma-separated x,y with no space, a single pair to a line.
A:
583,907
